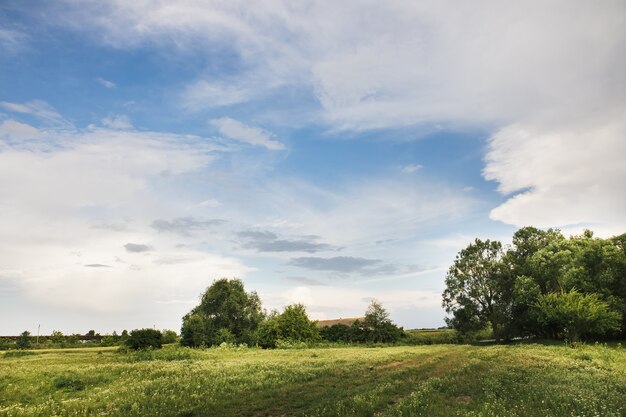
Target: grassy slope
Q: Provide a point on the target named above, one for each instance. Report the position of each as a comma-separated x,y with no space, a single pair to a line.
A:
438,380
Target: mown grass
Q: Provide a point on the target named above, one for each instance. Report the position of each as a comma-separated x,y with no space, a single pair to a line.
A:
436,380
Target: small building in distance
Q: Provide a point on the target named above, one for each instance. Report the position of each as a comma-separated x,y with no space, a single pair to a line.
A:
328,323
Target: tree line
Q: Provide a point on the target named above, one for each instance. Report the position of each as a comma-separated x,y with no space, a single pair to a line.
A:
542,285
229,314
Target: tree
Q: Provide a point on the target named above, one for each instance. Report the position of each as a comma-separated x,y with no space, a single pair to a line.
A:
224,305
57,338
379,326
144,338
292,325
295,326
193,332
23,341
169,336
478,289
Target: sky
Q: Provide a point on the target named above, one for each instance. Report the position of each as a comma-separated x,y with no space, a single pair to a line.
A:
327,153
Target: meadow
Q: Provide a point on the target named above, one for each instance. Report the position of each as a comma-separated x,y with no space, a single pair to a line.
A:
434,380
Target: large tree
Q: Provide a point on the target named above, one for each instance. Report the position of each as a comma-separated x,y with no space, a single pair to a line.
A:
478,289
378,325
224,306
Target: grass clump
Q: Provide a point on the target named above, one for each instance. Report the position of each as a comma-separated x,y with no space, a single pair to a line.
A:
68,382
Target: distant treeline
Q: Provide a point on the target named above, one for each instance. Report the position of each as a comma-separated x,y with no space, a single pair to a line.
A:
58,340
227,314
543,285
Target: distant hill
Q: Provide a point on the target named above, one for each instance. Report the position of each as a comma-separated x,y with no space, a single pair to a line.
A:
347,322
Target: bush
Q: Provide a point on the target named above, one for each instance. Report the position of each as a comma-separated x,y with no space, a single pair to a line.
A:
573,315
68,383
291,326
144,338
169,336
23,342
336,333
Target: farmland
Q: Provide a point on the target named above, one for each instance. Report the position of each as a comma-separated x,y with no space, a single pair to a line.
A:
434,380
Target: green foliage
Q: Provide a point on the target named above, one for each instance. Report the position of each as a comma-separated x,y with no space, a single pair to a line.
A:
144,338
68,382
378,327
573,315
336,333
224,305
291,326
431,337
169,336
225,336
23,341
294,324
478,288
109,340
57,338
194,331
6,343
487,285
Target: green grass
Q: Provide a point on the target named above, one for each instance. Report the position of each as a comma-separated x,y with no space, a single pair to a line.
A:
436,380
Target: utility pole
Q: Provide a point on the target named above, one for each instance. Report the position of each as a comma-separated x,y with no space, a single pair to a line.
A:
38,327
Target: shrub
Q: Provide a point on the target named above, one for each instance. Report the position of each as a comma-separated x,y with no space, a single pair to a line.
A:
292,325
144,338
68,383
23,341
573,315
169,336
336,333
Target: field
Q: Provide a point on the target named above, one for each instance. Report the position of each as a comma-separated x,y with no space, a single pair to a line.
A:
435,380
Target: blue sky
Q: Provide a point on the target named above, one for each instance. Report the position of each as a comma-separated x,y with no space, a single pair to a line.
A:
324,153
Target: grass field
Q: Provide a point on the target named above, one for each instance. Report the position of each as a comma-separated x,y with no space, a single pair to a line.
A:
436,380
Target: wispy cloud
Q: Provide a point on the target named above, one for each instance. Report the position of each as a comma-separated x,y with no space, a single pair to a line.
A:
12,40
119,121
264,241
255,136
37,108
13,130
186,226
345,264
137,247
203,94
305,280
106,83
411,168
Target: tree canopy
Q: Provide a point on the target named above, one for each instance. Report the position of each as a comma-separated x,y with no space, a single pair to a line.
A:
224,306
542,285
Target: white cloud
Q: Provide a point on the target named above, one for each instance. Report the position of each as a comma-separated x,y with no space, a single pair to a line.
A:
540,67
573,175
59,190
12,40
13,130
202,94
411,168
37,108
236,130
106,83
426,62
117,122
211,202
